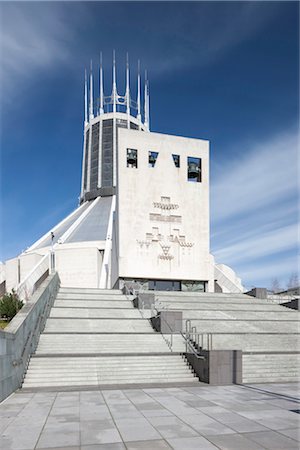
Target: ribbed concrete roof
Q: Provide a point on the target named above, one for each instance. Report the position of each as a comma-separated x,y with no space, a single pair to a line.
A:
94,226
63,228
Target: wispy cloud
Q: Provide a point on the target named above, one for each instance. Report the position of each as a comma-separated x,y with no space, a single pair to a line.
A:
33,36
37,35
216,29
254,199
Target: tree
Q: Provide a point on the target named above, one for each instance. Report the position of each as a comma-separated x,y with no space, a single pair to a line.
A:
293,281
275,286
10,304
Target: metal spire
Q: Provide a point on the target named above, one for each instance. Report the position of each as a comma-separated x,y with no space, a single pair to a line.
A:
139,117
101,86
114,91
146,107
91,93
127,95
85,100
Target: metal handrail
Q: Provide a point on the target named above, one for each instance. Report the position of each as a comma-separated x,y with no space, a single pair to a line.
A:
135,292
171,333
153,310
191,331
189,344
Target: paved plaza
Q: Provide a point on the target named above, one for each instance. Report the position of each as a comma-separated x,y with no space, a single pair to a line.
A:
250,417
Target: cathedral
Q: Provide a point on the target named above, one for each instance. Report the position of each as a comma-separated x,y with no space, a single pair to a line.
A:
143,212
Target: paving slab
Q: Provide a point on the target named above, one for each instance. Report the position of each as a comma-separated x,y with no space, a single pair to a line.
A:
234,442
117,446
99,432
272,440
194,443
148,445
293,433
136,429
172,427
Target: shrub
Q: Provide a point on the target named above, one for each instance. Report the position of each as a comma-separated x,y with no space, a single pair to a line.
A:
10,304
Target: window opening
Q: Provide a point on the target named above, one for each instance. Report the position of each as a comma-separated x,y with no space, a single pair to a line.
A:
194,169
176,159
152,158
132,158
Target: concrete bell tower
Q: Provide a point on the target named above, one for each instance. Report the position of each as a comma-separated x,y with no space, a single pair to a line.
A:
101,123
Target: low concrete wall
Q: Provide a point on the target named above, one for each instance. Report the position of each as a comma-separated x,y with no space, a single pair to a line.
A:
218,367
19,339
258,293
144,301
167,322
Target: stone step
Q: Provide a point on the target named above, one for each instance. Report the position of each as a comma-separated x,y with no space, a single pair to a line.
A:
35,370
96,382
195,306
95,313
108,371
262,379
109,379
90,304
271,366
209,295
239,315
253,342
210,299
97,325
244,326
94,297
108,360
90,290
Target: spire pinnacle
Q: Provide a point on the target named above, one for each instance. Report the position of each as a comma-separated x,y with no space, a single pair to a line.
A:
127,95
101,86
114,91
138,101
91,93
146,105
85,99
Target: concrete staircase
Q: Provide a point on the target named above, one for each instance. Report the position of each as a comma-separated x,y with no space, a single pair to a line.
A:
95,337
267,333
268,367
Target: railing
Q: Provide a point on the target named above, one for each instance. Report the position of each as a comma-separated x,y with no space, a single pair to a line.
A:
33,280
134,288
281,298
207,341
192,336
32,339
154,311
189,347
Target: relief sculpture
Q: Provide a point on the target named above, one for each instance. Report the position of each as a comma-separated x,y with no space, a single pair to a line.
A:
167,239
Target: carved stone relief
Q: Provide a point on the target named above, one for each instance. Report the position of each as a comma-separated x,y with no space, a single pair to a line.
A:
168,238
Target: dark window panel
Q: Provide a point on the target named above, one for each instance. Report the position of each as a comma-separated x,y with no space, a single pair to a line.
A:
194,169
176,159
152,157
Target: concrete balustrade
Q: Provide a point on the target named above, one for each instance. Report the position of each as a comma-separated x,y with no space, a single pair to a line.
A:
19,340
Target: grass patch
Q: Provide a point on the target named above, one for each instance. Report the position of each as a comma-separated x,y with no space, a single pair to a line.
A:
3,324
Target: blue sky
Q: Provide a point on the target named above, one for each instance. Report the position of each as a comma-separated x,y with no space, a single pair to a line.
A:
223,71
